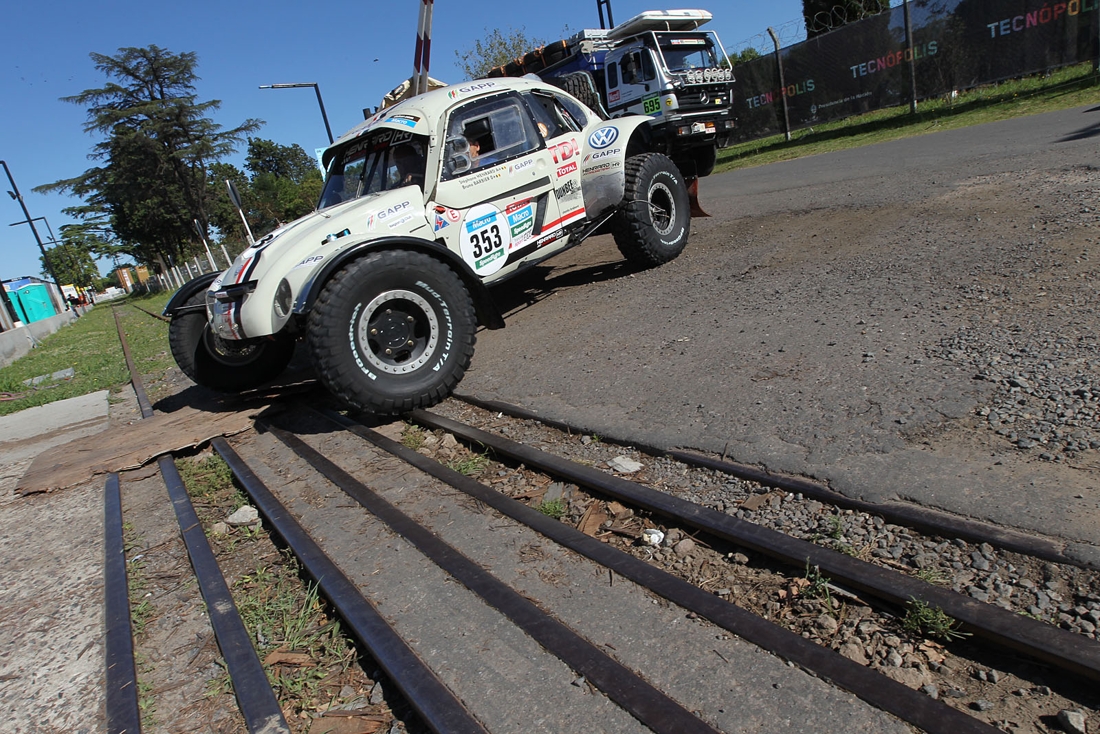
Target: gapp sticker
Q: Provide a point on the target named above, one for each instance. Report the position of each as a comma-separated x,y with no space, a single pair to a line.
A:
486,239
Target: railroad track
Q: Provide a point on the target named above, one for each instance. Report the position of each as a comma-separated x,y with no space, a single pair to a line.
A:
489,615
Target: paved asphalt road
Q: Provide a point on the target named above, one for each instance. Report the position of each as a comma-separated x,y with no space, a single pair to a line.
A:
804,327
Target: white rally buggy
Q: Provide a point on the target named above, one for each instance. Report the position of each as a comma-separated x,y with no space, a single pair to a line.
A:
424,205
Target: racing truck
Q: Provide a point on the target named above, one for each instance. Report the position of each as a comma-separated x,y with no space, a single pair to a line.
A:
425,205
658,64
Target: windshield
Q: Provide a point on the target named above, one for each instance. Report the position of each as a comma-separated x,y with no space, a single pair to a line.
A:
383,160
687,53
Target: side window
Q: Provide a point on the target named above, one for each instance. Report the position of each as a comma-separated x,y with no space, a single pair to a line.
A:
613,75
575,116
494,130
548,117
649,69
632,68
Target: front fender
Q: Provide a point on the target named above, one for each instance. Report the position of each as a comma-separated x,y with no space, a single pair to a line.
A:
488,314
188,289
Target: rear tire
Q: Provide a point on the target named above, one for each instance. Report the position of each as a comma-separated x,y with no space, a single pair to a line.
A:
221,364
393,331
652,226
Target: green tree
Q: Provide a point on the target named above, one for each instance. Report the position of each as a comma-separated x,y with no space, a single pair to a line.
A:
823,16
743,56
158,145
282,183
495,48
72,262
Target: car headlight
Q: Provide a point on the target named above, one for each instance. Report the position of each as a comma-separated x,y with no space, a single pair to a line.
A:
282,298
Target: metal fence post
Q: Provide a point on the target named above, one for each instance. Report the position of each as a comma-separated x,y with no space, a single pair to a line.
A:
782,85
912,60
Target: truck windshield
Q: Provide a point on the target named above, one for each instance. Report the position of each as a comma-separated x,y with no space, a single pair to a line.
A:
384,160
685,53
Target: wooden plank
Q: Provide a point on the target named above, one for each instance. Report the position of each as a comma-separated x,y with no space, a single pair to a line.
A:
129,447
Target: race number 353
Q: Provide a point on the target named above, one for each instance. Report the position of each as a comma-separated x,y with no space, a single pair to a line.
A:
486,241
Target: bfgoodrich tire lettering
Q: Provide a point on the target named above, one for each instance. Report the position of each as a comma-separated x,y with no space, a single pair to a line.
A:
224,365
392,331
653,224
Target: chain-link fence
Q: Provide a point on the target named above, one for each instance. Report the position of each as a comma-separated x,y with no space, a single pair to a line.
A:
914,51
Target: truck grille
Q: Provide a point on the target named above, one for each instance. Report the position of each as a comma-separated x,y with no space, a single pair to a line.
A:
712,97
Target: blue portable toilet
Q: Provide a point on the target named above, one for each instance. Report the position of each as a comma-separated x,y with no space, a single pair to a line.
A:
33,302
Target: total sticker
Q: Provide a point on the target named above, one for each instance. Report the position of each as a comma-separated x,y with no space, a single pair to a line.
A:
486,239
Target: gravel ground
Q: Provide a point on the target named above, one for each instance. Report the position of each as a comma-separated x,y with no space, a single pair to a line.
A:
1005,691
855,318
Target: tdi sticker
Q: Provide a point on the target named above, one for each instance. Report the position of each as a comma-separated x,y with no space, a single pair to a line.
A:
486,239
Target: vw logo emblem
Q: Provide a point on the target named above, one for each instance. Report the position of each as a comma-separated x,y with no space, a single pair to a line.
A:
603,137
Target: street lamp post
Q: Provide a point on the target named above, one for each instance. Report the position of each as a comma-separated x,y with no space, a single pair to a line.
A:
52,240
320,102
14,193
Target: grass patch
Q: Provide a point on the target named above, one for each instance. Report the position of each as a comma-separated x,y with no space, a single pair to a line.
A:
141,613
470,466
934,576
412,437
210,480
552,508
305,653
299,643
818,587
90,345
926,620
1064,88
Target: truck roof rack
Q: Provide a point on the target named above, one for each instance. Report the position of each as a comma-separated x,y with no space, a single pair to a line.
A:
660,20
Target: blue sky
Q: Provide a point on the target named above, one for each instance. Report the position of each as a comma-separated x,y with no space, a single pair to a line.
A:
355,51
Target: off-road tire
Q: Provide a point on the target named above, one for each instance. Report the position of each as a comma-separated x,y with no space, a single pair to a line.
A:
409,303
652,225
581,85
705,159
220,364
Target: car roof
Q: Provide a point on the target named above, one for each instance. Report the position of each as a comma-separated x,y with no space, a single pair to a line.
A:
419,114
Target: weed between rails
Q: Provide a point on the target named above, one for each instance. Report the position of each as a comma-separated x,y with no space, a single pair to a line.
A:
141,612
309,661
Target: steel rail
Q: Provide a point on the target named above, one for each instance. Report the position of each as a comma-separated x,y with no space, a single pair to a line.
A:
1063,649
122,708
154,315
915,707
927,521
255,697
620,684
135,378
123,713
440,710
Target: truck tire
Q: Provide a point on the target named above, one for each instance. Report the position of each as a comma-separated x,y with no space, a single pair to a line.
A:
651,228
392,331
580,85
705,158
221,364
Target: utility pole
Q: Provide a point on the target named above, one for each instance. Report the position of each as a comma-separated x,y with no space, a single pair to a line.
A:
423,52
14,193
320,102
